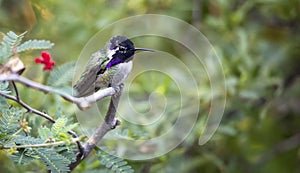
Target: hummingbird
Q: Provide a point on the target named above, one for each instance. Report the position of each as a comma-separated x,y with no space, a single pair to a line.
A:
107,67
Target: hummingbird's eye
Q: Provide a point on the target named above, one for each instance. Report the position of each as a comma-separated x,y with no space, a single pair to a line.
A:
122,49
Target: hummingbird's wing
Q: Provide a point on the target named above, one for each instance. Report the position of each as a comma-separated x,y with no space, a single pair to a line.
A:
86,84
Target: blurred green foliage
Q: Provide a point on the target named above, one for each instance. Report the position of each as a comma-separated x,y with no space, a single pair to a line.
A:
258,44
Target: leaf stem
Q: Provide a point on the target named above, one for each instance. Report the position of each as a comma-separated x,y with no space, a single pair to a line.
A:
73,140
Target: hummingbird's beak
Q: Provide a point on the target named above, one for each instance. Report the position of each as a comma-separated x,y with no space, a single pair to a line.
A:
143,49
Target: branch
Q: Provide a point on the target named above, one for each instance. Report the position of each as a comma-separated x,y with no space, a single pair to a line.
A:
16,90
109,123
27,107
82,102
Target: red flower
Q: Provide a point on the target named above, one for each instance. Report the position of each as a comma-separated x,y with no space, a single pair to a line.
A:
46,60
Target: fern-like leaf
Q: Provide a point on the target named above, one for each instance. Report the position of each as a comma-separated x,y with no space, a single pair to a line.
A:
34,44
68,152
3,103
27,140
5,52
59,125
62,75
58,130
9,121
4,87
11,44
114,163
10,41
45,133
21,158
70,127
54,161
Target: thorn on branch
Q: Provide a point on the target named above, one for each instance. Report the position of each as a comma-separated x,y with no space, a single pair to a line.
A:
115,123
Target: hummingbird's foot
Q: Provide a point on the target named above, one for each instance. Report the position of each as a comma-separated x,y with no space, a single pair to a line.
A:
118,88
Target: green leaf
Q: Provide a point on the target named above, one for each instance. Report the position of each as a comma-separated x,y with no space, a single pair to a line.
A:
45,133
27,140
54,161
68,152
34,44
4,87
9,121
13,39
10,45
114,163
59,125
10,41
22,158
70,127
62,75
24,140
3,103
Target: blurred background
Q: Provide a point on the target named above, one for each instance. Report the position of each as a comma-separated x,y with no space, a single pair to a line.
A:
258,43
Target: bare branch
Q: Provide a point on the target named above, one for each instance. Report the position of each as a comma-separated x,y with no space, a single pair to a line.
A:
27,107
16,90
82,102
109,123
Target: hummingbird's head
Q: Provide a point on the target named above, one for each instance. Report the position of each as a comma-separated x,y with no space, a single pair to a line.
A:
121,50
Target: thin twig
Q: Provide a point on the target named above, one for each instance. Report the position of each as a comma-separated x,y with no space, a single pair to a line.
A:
27,107
82,102
109,123
16,90
50,144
